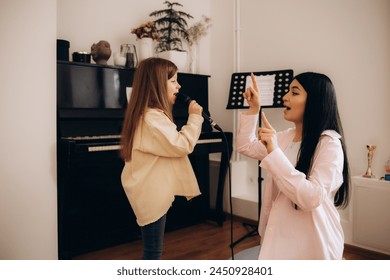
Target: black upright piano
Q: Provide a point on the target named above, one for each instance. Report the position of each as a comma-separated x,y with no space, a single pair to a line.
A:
93,211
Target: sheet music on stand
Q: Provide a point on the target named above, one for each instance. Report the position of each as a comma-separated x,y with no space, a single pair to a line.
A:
273,85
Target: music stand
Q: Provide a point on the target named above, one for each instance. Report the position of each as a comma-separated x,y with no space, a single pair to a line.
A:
273,85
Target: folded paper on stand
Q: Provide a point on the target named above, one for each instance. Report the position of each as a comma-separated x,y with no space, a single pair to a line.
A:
266,85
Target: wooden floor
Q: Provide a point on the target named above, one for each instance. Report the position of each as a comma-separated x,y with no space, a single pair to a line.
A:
205,241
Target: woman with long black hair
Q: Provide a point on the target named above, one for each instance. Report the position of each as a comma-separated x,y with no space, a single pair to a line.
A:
307,171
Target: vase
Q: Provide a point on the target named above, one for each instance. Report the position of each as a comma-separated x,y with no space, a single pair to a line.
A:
193,59
177,57
145,48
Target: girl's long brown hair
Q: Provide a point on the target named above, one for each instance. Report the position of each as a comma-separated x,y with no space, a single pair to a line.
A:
149,91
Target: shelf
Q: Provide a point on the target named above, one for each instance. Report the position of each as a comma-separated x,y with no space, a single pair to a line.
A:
371,208
363,181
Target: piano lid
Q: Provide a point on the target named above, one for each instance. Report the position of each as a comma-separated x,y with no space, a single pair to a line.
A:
91,86
91,98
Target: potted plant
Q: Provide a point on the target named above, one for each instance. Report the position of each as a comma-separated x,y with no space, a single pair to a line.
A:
172,29
146,33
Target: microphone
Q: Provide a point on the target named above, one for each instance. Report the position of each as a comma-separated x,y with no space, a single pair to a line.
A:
187,100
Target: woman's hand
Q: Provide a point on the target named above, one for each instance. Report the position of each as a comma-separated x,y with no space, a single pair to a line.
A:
252,97
267,135
195,108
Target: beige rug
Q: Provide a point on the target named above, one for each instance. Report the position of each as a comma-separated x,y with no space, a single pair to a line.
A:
248,254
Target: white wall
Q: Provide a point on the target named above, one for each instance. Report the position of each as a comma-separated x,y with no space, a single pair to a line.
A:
349,40
222,61
89,21
28,210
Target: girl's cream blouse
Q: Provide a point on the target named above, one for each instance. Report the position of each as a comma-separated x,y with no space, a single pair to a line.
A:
160,169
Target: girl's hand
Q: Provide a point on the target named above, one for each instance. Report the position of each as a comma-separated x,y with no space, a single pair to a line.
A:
267,135
195,108
252,97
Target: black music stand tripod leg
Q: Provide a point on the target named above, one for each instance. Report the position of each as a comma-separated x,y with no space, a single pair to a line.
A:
255,227
253,232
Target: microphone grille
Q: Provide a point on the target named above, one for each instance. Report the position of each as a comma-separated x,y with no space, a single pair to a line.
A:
183,98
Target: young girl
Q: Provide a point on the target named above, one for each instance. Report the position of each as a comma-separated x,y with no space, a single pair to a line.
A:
307,167
156,164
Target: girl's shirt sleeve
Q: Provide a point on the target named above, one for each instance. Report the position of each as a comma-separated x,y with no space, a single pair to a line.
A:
160,136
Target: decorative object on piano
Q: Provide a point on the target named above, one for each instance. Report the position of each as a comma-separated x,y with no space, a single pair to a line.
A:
81,57
145,47
387,171
101,52
63,50
172,29
146,33
146,30
127,56
195,33
119,59
370,154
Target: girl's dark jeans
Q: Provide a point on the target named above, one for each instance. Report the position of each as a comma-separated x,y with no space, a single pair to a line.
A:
153,237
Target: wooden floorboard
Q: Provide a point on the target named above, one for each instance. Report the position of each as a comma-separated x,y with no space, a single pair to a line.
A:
205,241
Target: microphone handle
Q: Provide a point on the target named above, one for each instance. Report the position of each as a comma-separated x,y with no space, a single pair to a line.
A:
187,100
211,121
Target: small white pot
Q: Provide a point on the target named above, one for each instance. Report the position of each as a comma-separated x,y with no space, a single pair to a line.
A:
179,58
145,48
